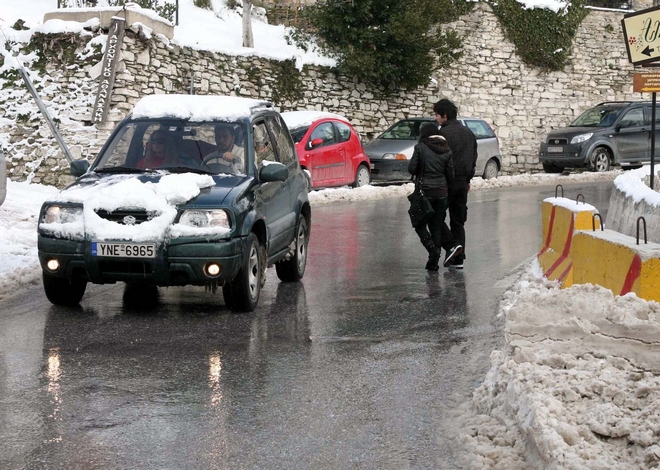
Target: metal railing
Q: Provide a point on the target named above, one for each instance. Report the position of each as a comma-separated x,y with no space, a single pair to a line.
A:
616,4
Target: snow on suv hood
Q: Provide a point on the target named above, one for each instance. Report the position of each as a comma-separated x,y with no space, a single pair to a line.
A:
115,192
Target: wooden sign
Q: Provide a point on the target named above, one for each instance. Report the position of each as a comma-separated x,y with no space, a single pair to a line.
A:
107,78
646,82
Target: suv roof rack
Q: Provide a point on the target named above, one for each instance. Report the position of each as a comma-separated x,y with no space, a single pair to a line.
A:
613,102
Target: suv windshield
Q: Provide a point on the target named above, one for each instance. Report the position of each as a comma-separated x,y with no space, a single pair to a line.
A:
600,116
407,129
209,147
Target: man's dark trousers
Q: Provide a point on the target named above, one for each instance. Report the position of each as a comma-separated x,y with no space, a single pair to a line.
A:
457,208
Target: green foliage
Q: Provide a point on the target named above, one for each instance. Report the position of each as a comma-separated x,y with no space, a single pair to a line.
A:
164,8
206,4
288,82
542,37
387,44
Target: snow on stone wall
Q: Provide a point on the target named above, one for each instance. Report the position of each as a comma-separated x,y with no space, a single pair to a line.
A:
490,81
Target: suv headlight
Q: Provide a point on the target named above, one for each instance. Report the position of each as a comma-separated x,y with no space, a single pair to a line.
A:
205,218
578,139
62,215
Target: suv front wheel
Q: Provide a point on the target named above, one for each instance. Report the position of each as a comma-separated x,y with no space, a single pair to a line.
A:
599,160
242,293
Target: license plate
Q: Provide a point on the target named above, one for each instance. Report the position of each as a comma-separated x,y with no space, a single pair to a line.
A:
555,149
124,250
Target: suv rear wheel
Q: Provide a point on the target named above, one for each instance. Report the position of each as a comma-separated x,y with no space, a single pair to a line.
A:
550,168
242,293
293,269
599,160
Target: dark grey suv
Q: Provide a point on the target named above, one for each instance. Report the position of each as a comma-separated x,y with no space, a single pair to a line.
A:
611,133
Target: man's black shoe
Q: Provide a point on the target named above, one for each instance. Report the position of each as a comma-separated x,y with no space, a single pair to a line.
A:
452,253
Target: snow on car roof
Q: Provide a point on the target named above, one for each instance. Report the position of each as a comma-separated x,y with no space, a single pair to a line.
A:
296,119
197,108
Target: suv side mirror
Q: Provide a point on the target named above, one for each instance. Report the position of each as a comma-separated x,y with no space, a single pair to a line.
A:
617,128
273,171
79,167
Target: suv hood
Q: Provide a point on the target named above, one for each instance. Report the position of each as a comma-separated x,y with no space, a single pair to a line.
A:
377,147
157,196
570,132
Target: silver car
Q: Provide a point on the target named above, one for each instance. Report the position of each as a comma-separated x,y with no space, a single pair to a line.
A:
3,178
389,152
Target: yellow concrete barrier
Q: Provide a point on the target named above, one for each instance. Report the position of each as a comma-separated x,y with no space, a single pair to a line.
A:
613,260
561,219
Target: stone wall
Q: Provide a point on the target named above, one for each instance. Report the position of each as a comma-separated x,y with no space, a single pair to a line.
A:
490,81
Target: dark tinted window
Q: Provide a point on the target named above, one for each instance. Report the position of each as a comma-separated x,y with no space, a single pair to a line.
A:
343,131
480,129
285,148
633,118
298,134
263,147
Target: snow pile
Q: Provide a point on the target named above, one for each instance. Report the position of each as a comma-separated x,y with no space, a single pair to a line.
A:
370,192
629,184
577,387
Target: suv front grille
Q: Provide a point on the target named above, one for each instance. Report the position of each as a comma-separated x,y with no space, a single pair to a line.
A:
554,141
126,217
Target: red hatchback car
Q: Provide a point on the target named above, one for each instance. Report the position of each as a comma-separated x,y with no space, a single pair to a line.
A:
329,149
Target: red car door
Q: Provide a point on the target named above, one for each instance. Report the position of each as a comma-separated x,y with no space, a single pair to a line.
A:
325,159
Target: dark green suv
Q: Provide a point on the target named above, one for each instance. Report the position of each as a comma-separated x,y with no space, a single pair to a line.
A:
188,190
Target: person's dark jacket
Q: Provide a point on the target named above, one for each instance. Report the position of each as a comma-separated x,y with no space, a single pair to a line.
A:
463,145
438,165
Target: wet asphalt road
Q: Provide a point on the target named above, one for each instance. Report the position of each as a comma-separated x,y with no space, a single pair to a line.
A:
355,367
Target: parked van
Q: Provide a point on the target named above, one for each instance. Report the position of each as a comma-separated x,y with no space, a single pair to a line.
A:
611,133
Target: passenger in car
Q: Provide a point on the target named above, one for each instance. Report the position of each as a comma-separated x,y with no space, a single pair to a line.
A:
160,151
227,157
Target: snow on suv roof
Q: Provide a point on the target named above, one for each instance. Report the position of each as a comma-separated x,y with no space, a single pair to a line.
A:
295,119
196,108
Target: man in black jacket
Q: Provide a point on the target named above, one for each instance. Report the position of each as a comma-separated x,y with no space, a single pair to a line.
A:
463,145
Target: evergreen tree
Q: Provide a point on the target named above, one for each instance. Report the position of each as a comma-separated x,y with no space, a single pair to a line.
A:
392,44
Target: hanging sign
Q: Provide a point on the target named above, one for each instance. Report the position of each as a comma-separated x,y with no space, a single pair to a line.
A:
641,31
107,78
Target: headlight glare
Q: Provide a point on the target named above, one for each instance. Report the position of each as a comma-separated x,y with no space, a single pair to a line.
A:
578,139
205,218
62,214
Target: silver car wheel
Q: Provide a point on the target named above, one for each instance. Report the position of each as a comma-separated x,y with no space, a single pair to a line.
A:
600,160
253,273
301,246
491,170
362,178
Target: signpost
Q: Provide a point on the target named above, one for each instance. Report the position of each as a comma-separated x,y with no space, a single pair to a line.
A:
107,78
641,31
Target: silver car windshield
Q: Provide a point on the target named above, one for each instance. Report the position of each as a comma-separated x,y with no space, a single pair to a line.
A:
408,129
208,147
597,117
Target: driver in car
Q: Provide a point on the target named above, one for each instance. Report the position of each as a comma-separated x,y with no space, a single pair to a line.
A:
227,155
